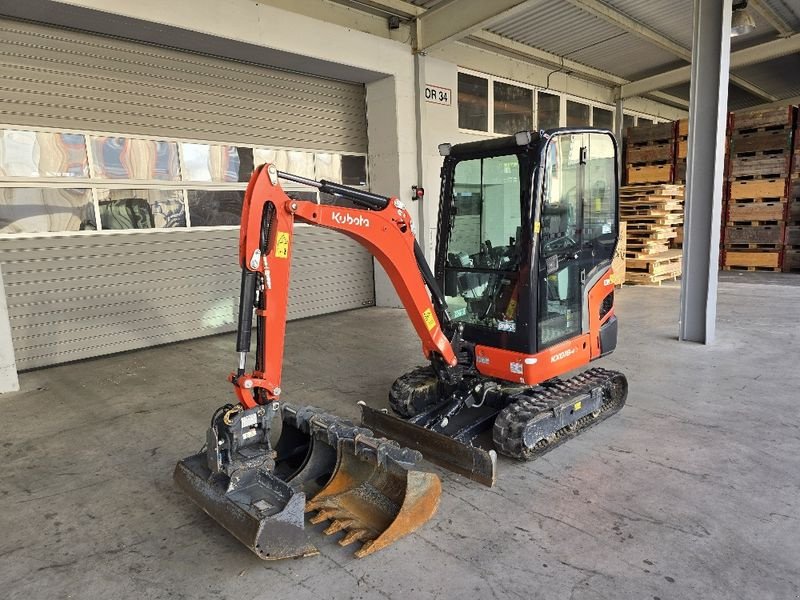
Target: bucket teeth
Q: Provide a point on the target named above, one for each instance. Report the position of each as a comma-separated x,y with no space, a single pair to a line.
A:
338,525
376,494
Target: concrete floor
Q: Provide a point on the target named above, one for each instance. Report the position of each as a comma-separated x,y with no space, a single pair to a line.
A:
692,491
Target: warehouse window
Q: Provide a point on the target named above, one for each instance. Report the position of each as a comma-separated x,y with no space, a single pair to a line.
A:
473,102
56,182
602,118
549,110
513,108
578,114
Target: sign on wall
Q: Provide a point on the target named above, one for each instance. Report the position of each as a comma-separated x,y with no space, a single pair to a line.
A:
437,94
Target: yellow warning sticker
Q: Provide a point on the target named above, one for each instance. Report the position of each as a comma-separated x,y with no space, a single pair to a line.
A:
282,245
577,406
427,316
537,227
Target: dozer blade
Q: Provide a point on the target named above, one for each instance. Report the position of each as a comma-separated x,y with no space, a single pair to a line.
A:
308,445
259,509
375,495
471,461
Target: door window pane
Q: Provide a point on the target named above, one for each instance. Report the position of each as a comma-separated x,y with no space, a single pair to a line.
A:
42,154
548,110
602,118
127,158
559,242
599,211
473,102
39,210
141,209
210,162
577,114
215,207
483,253
513,108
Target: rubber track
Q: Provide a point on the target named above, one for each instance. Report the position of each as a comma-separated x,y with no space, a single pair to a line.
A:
510,423
414,392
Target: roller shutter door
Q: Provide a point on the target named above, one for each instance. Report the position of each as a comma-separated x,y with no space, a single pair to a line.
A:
77,296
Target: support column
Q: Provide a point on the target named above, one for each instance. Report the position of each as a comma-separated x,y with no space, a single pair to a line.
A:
708,112
619,128
8,367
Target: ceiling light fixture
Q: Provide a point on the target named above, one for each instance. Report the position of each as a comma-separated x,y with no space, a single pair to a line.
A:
741,21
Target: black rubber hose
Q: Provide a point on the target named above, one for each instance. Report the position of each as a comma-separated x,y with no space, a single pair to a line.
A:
246,301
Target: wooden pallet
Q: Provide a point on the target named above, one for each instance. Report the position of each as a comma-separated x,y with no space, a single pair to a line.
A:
792,237
646,279
664,263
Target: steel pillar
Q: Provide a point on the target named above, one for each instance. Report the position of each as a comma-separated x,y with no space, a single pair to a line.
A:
708,112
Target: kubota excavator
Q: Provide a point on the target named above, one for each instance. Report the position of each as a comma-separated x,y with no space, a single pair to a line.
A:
520,295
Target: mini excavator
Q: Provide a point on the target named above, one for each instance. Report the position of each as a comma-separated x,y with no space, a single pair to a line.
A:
520,296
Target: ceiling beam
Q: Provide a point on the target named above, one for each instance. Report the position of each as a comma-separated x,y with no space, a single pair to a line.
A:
740,58
778,103
632,26
508,47
771,17
399,8
457,20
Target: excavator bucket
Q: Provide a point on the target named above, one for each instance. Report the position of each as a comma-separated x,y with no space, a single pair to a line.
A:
308,446
234,482
376,495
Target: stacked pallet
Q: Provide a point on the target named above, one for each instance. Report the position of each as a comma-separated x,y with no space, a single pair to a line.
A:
758,176
791,256
650,153
681,150
652,214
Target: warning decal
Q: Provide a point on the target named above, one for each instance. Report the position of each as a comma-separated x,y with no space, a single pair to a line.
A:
282,245
427,316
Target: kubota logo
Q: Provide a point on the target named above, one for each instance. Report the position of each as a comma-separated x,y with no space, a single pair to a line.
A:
563,354
347,219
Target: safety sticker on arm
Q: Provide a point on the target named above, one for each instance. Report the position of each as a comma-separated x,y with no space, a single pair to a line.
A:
282,245
427,316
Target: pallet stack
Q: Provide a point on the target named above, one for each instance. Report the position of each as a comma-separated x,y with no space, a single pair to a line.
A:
758,189
650,154
791,256
651,213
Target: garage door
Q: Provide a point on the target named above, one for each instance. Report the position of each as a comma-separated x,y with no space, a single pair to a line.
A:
122,167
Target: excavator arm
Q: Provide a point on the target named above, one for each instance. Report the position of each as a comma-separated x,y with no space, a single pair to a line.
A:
266,242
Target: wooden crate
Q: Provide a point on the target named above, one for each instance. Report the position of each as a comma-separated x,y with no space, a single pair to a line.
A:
657,132
650,154
793,236
759,188
759,165
778,117
650,174
749,212
793,212
748,236
791,261
754,260
618,263
777,140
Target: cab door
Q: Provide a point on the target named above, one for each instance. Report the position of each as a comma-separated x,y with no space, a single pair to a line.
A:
577,228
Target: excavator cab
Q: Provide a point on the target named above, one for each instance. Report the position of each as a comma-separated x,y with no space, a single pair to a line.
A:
528,227
525,228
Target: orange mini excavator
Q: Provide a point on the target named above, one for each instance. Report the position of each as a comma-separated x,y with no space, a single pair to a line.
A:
520,295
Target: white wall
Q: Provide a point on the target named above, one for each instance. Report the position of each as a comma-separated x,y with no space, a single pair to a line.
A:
8,368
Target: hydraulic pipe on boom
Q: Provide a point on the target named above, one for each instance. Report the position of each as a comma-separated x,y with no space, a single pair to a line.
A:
383,227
